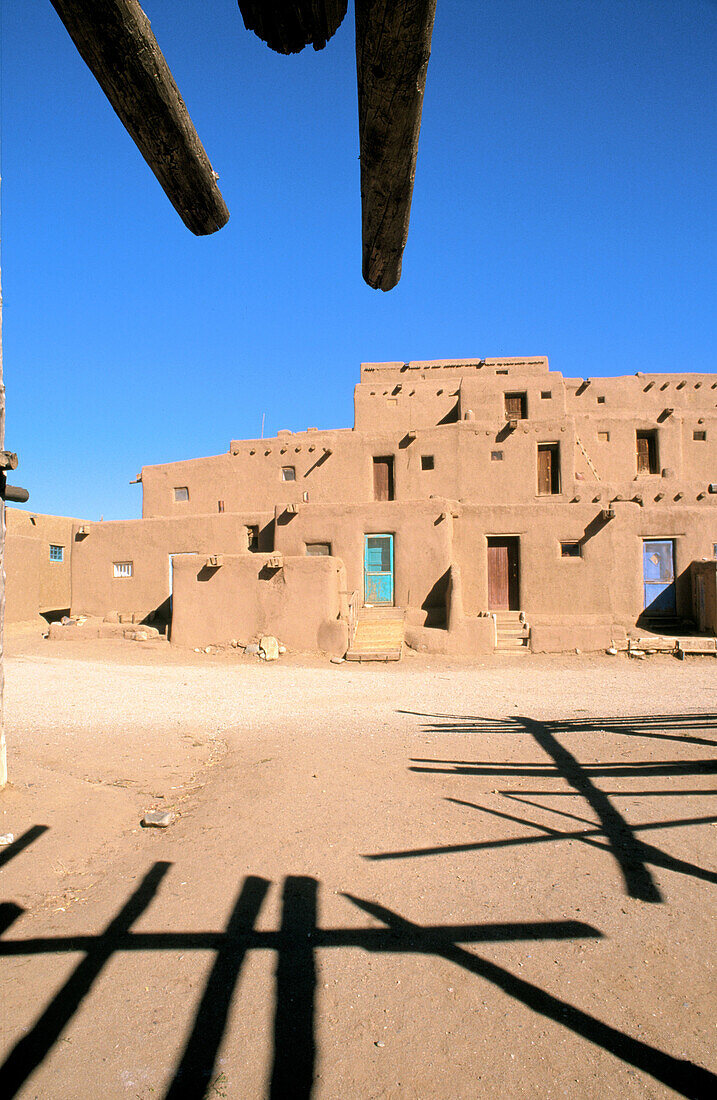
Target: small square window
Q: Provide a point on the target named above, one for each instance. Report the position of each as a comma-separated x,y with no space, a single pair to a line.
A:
318,549
570,550
288,473
427,462
702,436
601,400
501,372
181,492
603,437
545,395
122,569
57,553
496,456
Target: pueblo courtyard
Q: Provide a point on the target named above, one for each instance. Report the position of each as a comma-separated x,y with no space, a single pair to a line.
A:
429,879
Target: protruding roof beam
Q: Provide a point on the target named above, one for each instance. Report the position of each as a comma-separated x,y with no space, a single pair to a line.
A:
393,45
115,40
288,25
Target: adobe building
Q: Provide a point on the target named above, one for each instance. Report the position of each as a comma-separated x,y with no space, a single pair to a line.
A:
487,501
37,556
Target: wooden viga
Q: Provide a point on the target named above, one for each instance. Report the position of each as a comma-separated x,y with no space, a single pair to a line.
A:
393,44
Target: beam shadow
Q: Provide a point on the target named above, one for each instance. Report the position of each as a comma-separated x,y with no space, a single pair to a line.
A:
631,854
296,943
21,843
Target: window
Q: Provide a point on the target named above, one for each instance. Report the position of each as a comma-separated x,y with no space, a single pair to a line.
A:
318,549
603,437
548,469
122,569
570,550
496,456
288,473
427,462
646,446
220,505
252,538
545,395
57,553
181,492
601,400
515,406
702,436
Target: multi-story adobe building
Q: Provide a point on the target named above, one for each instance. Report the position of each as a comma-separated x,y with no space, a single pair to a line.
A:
465,489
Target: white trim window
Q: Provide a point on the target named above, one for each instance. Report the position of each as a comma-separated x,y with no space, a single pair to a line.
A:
122,569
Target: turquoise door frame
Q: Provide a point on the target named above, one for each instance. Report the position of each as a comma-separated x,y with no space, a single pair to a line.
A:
378,569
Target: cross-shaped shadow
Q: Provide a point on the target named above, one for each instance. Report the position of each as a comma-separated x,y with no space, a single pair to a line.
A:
632,854
296,943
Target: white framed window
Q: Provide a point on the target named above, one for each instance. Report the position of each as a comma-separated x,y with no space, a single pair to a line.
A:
122,568
57,553
181,492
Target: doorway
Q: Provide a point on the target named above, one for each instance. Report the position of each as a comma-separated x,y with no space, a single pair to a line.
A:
378,569
504,573
658,576
383,478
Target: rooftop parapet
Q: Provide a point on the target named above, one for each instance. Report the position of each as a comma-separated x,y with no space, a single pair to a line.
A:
454,367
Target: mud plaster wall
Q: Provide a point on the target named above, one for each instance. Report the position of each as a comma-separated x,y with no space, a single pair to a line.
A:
422,541
148,544
22,570
49,581
606,582
244,598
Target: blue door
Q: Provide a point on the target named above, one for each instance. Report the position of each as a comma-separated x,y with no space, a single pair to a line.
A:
658,570
378,569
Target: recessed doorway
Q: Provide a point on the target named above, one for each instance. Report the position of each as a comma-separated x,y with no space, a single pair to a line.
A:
504,573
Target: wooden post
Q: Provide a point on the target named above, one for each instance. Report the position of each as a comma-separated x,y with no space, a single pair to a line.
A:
115,40
288,25
393,45
3,747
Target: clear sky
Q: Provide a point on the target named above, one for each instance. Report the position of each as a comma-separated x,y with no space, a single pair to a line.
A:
564,206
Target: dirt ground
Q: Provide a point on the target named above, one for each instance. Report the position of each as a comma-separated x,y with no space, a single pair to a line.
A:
434,879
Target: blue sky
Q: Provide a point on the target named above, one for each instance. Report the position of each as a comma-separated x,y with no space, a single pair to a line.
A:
564,206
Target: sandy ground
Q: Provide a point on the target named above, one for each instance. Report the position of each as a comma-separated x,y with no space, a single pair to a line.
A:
432,879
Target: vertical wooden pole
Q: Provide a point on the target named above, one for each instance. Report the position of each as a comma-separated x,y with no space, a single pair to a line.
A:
3,747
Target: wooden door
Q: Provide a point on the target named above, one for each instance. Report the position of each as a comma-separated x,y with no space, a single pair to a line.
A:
545,471
383,478
503,578
645,454
658,570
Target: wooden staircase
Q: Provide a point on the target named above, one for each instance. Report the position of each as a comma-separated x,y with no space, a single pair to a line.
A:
378,636
512,632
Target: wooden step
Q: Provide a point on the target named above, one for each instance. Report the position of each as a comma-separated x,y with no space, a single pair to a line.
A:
379,635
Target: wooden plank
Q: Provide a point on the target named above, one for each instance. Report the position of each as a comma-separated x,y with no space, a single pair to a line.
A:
383,479
393,45
288,25
498,578
115,40
545,471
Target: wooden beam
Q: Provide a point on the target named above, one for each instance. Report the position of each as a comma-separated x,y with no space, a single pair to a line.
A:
288,25
115,40
393,45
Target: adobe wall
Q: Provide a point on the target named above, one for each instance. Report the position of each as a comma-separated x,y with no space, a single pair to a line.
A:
299,603
148,544
423,540
606,583
22,571
50,582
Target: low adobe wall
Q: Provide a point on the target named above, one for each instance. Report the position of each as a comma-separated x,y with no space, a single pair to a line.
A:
244,597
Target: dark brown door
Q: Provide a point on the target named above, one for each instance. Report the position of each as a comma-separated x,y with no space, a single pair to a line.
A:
545,470
515,406
383,478
503,581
